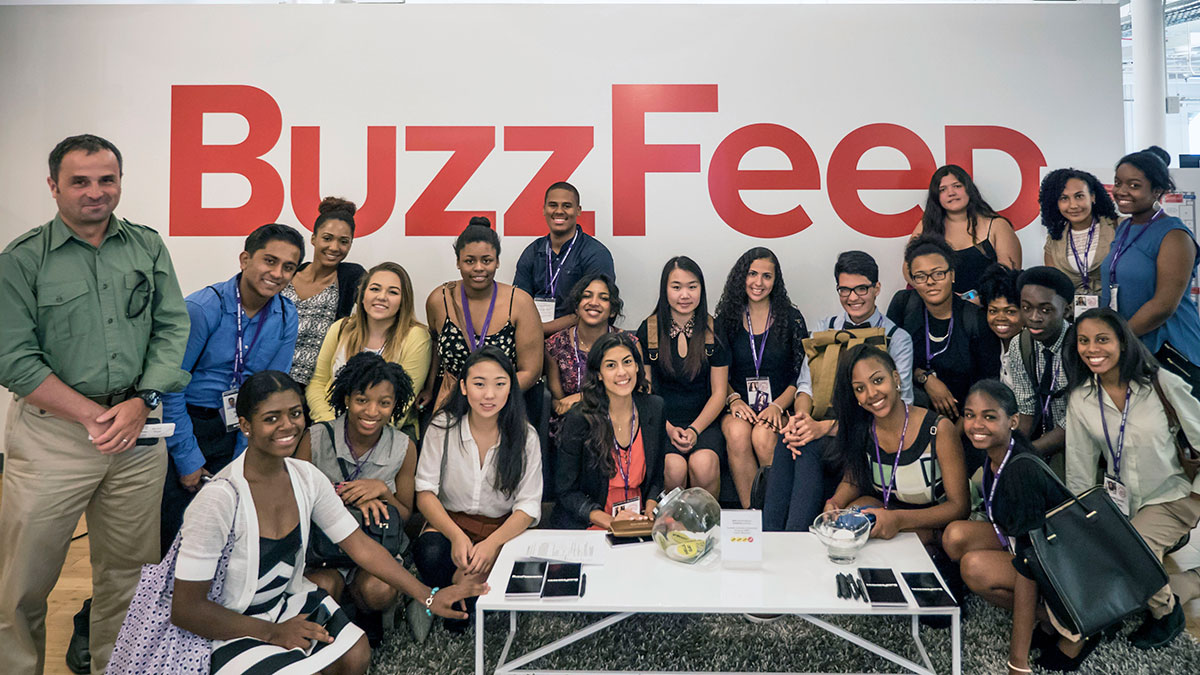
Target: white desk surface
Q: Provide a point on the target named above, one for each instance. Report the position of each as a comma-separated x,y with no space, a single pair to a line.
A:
796,577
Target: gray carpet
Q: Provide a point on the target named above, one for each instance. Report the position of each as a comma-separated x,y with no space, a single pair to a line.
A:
663,642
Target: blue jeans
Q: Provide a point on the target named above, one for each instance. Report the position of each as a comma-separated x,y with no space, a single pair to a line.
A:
795,488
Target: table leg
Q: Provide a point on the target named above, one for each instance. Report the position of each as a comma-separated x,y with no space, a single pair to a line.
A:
956,643
478,641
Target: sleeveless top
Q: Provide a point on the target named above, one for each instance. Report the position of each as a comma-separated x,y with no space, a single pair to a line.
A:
918,478
452,342
332,455
970,262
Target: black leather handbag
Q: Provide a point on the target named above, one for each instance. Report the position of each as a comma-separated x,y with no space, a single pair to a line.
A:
1091,566
390,534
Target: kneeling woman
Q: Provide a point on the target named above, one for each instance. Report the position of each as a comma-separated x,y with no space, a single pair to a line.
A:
610,451
268,617
370,462
901,463
479,478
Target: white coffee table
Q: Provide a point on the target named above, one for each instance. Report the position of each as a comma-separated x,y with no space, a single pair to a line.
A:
796,578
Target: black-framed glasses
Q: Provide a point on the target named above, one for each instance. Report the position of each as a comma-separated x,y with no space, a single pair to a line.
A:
936,275
860,290
139,297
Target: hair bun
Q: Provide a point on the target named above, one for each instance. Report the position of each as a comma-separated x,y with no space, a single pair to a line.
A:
481,221
1159,153
332,204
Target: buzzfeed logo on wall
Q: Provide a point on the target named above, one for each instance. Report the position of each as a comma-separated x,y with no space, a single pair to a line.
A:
632,159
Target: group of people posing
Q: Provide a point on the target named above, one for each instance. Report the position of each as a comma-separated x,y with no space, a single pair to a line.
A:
300,391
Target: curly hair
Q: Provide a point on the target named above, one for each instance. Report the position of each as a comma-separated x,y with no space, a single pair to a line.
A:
999,282
1052,188
732,305
365,370
593,404
934,220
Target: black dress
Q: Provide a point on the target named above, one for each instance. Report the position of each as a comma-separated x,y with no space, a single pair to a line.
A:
781,358
684,397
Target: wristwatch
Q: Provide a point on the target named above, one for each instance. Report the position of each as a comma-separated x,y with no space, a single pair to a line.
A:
150,397
923,377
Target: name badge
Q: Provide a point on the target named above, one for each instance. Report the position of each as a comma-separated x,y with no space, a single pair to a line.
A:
229,409
758,393
631,505
1118,493
1086,301
545,308
1112,297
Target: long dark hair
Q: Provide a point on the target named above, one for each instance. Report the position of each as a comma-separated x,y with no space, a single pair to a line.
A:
365,370
854,421
510,457
593,405
934,220
1136,363
615,303
696,357
732,305
1052,188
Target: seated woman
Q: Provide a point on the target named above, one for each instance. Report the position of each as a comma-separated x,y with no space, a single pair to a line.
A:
479,478
903,464
369,462
764,332
1116,411
690,372
385,323
610,450
269,618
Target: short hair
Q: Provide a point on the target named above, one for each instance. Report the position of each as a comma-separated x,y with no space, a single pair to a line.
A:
999,283
335,208
365,370
1048,277
88,143
928,244
270,232
479,229
614,294
856,262
259,386
562,185
1153,162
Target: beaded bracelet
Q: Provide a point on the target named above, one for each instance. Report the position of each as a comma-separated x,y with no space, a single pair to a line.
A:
429,601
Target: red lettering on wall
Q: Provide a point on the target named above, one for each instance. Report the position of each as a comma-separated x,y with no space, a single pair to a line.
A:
428,217
633,158
376,207
191,159
726,180
846,180
568,146
962,141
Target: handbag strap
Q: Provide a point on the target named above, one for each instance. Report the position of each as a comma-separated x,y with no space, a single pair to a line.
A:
1049,474
1172,416
218,584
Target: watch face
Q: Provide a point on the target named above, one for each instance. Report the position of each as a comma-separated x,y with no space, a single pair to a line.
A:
151,398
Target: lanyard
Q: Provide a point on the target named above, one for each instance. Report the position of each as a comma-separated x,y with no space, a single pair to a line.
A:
949,331
756,352
239,356
626,465
553,272
1082,263
1121,247
891,485
989,495
358,461
472,342
1116,454
580,357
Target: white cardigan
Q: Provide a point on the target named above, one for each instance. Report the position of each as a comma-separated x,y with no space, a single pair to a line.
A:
210,516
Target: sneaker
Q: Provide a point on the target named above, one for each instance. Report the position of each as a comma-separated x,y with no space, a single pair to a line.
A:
1155,633
79,655
762,618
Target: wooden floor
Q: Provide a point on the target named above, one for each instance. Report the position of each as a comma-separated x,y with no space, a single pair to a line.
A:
75,586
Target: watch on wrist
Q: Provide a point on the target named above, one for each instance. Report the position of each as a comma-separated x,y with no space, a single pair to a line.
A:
150,397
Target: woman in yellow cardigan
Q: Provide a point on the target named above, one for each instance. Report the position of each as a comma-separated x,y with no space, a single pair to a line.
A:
383,322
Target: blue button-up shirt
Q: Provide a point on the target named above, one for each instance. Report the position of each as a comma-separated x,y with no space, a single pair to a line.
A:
587,255
209,357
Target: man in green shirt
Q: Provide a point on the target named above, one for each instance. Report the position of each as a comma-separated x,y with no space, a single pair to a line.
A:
93,333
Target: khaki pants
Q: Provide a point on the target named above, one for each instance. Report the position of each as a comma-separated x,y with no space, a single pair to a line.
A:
1162,526
52,475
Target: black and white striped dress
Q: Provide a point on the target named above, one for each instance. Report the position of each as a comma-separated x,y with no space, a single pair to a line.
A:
276,564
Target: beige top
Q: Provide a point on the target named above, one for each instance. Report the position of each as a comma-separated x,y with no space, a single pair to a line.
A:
1059,255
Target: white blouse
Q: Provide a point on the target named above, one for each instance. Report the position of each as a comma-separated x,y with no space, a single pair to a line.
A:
468,487
1149,465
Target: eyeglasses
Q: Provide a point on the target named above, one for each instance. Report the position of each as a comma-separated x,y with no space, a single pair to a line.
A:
139,296
860,290
936,275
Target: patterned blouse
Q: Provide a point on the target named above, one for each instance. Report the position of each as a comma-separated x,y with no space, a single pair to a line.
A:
452,342
316,314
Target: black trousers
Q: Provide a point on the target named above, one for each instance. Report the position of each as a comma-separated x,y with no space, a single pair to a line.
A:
218,445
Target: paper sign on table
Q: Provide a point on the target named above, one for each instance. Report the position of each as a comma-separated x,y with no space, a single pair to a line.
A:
741,538
583,549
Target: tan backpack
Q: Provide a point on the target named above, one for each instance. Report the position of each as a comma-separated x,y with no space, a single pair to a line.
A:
825,349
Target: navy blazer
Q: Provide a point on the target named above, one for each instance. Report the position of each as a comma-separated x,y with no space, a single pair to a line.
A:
581,489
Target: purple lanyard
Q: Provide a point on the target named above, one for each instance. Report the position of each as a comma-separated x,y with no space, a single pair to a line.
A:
1120,449
949,331
1082,263
1121,248
580,359
891,484
989,495
358,461
239,356
626,452
756,352
552,272
472,342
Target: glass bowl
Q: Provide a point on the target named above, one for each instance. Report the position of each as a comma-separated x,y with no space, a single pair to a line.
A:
843,532
687,525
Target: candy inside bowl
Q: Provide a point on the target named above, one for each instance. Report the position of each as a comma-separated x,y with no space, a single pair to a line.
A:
843,532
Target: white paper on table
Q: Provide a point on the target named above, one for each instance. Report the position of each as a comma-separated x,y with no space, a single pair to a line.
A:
585,550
